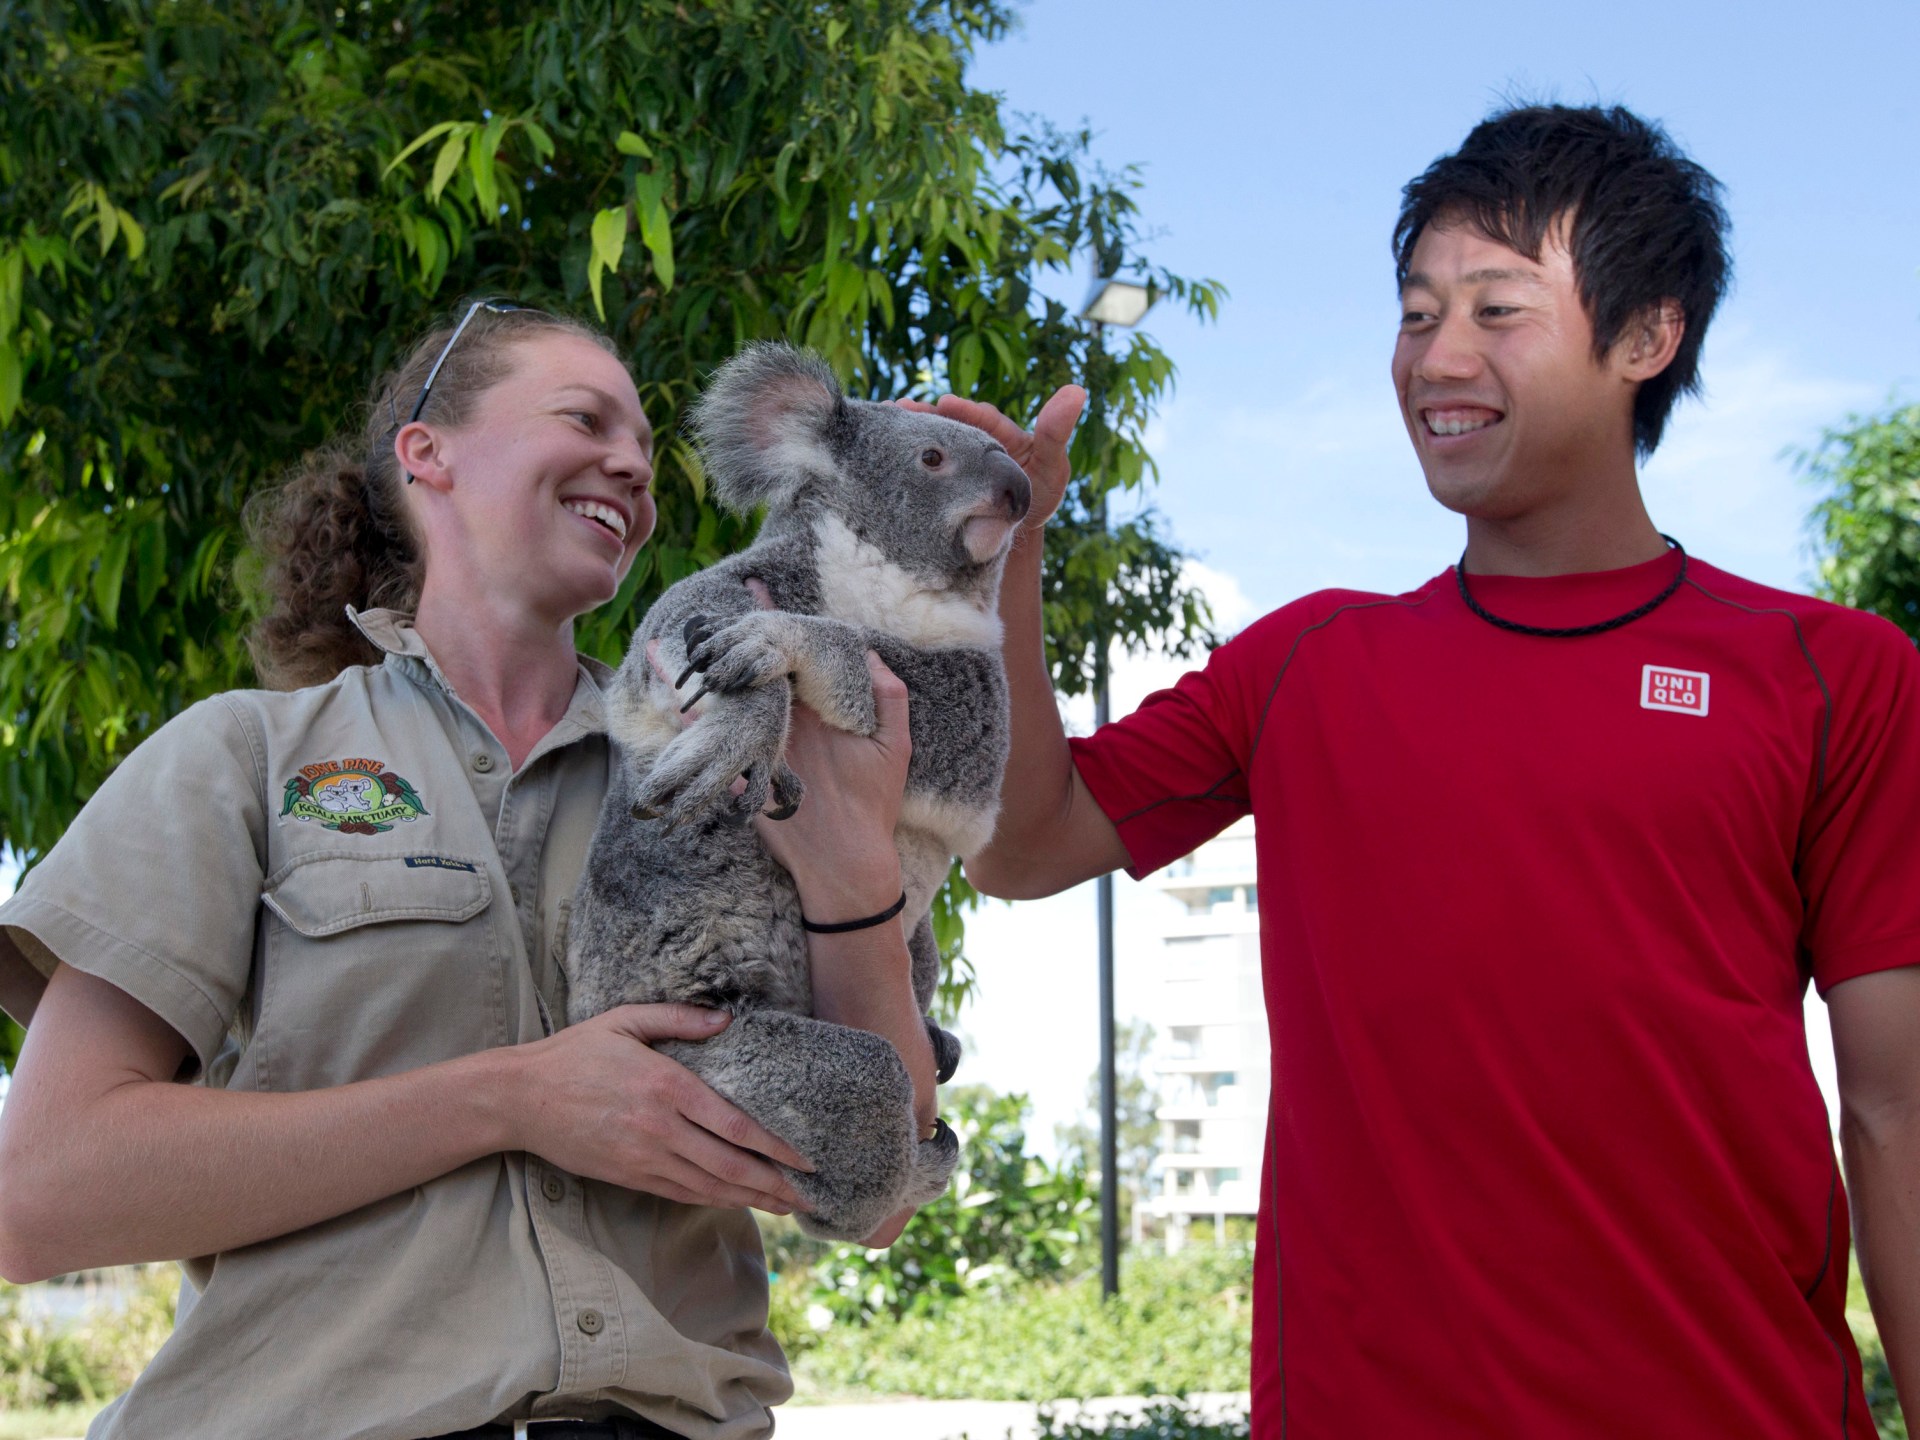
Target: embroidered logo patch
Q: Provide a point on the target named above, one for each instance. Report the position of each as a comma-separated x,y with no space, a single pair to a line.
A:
355,797
1682,691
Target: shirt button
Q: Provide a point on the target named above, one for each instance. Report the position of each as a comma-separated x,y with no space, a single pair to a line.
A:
554,1187
482,761
590,1322
514,891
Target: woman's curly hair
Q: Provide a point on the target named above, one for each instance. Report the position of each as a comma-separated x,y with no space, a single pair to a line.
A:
335,531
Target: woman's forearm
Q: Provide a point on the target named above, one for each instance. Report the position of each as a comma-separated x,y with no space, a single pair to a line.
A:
864,979
106,1163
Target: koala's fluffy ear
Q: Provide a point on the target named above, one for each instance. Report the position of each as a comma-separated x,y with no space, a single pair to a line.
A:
765,425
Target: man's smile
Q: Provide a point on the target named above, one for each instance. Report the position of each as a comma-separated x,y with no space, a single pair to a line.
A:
1458,419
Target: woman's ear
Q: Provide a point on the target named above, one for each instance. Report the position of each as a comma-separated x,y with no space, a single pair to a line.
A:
1650,341
419,452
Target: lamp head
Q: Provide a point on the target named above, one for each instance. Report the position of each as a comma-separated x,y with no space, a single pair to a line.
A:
1114,301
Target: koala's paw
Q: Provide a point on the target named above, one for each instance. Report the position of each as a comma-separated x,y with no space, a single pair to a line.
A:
787,793
744,655
933,1164
695,776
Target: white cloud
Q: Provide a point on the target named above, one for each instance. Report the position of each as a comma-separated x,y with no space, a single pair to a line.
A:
1723,481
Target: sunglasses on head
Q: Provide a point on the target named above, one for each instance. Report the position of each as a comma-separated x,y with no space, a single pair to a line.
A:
492,307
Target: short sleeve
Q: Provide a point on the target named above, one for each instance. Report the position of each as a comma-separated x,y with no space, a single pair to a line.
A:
1860,843
155,886
1170,775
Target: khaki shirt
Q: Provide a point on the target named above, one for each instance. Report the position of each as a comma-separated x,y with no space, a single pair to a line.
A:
343,882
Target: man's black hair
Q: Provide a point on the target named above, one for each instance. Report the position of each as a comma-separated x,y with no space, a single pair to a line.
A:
1646,223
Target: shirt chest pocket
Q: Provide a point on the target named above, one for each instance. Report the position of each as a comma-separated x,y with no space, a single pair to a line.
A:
373,964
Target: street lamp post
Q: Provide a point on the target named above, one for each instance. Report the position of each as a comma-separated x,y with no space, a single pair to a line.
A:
1112,301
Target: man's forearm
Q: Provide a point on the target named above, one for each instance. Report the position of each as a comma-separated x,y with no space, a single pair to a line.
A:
1038,788
1883,1178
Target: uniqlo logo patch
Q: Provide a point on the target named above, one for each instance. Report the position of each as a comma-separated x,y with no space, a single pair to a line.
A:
1682,691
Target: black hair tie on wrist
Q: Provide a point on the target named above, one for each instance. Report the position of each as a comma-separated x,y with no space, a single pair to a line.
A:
867,924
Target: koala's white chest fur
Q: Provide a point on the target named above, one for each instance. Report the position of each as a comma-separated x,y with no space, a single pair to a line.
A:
859,585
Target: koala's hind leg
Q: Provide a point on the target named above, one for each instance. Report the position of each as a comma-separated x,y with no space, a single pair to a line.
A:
839,1096
924,951
744,734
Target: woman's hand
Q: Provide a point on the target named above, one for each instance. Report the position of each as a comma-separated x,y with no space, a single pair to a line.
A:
1041,452
838,845
597,1099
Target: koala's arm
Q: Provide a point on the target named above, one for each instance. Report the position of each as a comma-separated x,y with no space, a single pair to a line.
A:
824,658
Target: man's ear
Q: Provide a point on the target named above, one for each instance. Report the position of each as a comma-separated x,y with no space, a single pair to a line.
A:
765,425
418,450
1650,340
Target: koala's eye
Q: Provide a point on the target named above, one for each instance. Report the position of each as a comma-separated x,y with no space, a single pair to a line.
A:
931,458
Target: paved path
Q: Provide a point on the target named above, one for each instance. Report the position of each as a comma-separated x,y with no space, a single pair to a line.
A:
950,1419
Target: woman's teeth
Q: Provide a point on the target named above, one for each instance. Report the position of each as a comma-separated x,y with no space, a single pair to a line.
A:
605,514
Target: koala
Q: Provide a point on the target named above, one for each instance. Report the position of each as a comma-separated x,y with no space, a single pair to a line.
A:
886,529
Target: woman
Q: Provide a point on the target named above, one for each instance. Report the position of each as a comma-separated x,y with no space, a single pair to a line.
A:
419,1208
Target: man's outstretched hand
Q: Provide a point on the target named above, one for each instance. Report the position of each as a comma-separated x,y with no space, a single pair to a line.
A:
1041,452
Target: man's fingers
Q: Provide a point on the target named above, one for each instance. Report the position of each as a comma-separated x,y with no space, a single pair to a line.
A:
668,1022
712,1113
1060,414
982,416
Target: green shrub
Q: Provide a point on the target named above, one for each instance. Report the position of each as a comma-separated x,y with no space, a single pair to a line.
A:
89,1363
1008,1217
1162,1420
1881,1400
1180,1324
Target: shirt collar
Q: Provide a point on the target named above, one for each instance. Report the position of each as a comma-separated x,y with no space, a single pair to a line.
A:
392,633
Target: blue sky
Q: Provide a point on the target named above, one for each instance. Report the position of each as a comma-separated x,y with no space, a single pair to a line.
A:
1275,139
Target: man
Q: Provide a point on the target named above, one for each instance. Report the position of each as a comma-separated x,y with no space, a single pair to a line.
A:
1549,849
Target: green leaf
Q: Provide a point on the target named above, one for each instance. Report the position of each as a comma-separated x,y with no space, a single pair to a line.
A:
629,143
963,366
184,189
424,138
609,238
656,231
780,166
481,148
107,578
136,238
447,162
12,379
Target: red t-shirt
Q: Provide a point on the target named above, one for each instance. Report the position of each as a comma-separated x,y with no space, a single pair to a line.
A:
1545,1154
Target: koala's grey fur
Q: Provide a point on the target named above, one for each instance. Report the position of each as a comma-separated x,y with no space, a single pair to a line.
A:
886,529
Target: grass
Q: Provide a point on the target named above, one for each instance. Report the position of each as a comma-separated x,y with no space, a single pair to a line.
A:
55,1422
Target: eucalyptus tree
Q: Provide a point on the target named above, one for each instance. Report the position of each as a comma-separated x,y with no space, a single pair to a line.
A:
1868,524
218,222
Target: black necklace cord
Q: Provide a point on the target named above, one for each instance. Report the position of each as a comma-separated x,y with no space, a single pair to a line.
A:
1571,632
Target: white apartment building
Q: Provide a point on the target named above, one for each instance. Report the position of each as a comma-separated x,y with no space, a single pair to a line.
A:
1210,1048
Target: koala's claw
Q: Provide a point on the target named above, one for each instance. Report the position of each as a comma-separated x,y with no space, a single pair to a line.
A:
698,696
787,793
695,633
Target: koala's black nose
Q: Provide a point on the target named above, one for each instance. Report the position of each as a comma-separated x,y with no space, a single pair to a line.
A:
1011,484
